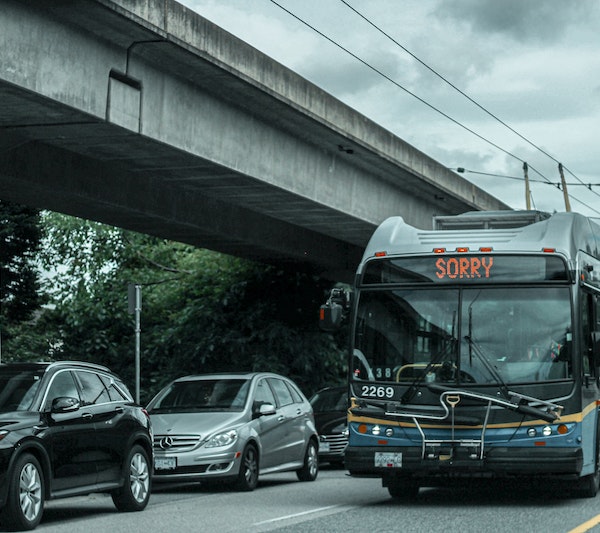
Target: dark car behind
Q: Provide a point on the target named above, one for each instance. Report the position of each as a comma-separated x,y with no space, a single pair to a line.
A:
330,406
66,429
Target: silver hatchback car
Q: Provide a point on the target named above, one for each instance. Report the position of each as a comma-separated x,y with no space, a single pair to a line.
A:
233,427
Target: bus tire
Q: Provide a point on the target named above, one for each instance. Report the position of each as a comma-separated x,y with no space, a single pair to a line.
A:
403,490
588,486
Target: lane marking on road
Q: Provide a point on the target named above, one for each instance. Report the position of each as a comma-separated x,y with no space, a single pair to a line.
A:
586,526
289,516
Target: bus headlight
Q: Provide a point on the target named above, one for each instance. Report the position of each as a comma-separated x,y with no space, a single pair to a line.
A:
547,431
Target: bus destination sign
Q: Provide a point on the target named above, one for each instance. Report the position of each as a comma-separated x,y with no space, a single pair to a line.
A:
475,268
471,267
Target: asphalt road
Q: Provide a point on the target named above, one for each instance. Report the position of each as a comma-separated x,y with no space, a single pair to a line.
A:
334,503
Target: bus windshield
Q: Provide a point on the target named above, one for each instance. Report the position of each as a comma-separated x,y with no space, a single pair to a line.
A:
462,336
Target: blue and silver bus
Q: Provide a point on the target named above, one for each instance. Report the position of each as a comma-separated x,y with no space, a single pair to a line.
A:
475,351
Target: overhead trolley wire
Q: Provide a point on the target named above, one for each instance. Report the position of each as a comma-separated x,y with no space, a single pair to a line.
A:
426,103
474,102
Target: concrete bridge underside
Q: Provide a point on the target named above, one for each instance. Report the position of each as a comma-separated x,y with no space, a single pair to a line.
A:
144,115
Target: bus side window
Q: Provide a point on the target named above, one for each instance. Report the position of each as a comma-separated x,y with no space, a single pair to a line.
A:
590,322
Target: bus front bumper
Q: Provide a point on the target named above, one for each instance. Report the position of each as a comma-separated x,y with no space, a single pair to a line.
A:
496,461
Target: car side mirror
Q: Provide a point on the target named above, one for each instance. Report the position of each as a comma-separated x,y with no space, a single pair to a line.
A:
265,409
64,404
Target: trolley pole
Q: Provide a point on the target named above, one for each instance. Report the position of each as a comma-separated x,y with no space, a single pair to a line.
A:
564,188
527,191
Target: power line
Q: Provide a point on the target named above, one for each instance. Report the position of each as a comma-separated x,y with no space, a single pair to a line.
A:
558,185
431,106
432,70
394,82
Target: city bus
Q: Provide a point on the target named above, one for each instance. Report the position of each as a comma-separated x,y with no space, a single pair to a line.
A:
475,351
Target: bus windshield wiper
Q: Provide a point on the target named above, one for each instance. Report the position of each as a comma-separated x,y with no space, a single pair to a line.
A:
440,356
475,349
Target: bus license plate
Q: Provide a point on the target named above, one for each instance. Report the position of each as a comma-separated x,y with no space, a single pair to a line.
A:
165,463
388,459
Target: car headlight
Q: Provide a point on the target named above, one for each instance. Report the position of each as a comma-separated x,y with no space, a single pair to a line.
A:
222,439
3,433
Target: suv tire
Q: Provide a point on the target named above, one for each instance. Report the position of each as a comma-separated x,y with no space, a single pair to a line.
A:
135,492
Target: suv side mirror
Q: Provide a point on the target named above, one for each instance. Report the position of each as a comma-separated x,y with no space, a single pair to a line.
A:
64,404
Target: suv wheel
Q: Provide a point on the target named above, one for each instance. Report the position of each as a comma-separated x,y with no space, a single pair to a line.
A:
25,499
310,468
135,492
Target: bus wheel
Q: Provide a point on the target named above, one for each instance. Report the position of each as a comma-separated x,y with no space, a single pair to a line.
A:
588,486
403,490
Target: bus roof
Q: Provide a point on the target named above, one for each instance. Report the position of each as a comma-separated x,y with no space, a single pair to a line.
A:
503,231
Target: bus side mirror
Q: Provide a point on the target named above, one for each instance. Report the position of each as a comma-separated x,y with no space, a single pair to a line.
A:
330,316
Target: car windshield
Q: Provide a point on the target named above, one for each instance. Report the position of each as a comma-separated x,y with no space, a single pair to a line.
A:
202,394
461,336
330,400
18,388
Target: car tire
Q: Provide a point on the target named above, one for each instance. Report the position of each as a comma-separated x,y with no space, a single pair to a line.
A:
310,468
247,479
25,498
135,492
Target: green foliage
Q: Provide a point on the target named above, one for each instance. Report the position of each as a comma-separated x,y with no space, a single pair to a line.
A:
201,311
19,287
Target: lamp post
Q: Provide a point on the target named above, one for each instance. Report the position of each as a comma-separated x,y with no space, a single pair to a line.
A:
135,307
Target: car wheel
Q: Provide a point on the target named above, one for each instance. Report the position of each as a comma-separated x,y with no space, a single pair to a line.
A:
248,476
25,498
135,492
310,468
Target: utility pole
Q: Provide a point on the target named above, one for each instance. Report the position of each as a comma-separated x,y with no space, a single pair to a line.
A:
564,188
527,191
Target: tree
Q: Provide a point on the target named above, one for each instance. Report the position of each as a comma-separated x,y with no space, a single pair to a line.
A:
20,236
202,311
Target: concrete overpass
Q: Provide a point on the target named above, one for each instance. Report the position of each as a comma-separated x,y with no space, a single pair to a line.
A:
144,115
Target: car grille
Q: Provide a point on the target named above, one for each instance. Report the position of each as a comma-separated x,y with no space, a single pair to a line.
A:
337,443
176,442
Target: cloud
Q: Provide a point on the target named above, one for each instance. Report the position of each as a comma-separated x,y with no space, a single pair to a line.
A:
542,21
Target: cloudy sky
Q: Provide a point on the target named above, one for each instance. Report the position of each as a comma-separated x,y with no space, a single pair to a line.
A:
530,70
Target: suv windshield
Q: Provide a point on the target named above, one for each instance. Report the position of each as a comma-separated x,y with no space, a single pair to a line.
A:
210,394
461,336
18,388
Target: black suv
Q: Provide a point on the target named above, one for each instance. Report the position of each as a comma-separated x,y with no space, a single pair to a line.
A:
69,428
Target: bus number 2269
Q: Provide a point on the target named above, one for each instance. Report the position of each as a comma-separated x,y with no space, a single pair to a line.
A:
372,391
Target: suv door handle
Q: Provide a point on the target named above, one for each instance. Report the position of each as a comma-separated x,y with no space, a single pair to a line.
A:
280,418
87,416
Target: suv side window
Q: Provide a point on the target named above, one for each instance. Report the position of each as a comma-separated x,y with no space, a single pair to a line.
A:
62,385
114,388
93,390
283,393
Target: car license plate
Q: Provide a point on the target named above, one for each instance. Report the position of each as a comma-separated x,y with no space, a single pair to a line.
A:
388,459
165,463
